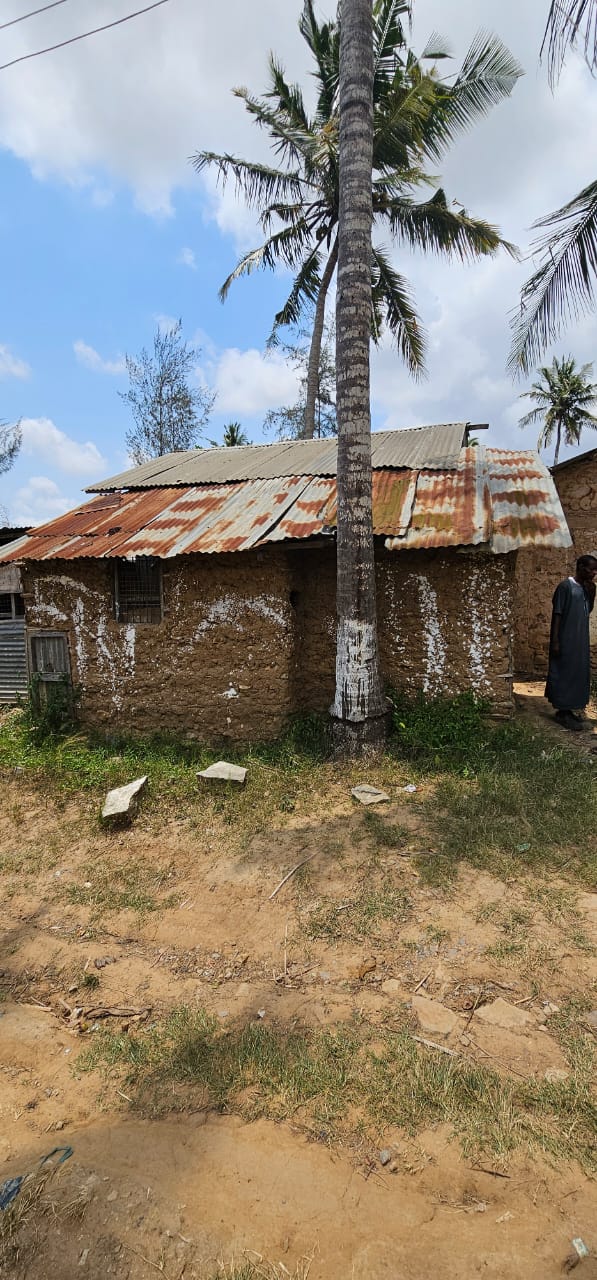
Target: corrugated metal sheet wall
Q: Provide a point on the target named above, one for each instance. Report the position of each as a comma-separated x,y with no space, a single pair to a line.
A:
13,660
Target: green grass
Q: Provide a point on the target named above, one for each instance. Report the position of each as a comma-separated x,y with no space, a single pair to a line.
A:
130,886
321,1076
358,918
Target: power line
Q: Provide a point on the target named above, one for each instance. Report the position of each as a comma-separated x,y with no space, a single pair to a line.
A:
33,14
73,40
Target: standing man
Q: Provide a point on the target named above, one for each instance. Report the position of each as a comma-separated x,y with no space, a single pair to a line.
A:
569,677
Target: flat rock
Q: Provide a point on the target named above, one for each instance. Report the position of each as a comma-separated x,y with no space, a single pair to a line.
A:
507,1016
123,799
369,795
391,987
591,1019
222,771
433,1016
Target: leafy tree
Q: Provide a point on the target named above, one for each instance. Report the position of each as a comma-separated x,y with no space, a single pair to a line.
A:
358,710
168,413
289,422
562,287
10,443
417,115
563,396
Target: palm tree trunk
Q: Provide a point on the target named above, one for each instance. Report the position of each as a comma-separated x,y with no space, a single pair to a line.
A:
358,709
316,340
558,442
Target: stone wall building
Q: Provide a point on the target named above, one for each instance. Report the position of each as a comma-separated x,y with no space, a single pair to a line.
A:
196,594
538,572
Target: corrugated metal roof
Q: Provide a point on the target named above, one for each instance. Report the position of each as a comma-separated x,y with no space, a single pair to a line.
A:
501,498
436,447
525,506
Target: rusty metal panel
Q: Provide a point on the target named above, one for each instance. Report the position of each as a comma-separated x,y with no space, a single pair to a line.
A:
392,495
436,447
525,506
450,508
308,514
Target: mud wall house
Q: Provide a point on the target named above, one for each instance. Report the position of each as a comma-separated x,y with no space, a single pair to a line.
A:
196,594
539,571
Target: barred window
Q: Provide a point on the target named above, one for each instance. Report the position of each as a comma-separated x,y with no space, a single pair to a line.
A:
138,590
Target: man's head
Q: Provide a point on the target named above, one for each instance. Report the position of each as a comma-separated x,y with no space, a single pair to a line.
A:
586,569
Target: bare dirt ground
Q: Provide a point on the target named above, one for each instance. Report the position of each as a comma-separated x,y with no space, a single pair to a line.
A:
173,1194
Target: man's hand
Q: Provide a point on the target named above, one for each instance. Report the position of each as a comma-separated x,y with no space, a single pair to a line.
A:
555,649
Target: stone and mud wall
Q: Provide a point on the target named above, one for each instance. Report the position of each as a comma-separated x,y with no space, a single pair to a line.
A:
247,640
538,572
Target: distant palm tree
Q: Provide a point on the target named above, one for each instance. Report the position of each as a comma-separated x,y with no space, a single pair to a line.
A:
233,435
563,284
417,115
563,398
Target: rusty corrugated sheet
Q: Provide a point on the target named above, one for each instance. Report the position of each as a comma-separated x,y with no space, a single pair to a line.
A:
450,508
525,506
393,494
436,447
502,498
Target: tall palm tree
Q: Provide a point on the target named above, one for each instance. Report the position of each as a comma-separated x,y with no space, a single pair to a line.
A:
563,396
417,115
358,709
562,287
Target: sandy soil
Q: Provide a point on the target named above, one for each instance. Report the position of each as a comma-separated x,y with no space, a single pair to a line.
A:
174,1195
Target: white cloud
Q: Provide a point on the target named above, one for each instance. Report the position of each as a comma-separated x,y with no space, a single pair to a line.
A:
45,442
165,323
91,358
11,366
249,382
170,74
38,501
186,258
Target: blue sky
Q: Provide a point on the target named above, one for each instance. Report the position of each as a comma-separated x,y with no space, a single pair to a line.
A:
106,231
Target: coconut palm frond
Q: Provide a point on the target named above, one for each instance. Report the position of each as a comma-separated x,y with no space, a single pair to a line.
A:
569,22
285,246
436,49
287,140
304,293
563,286
487,76
288,97
259,184
388,38
392,292
435,227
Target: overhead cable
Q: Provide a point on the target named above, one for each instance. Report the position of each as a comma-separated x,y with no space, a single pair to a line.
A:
73,40
32,14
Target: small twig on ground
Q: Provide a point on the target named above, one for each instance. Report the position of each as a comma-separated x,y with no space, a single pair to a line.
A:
291,873
495,1173
422,982
525,1000
431,1044
506,1065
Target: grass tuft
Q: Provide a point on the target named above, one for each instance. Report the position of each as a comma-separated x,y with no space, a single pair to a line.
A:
325,1075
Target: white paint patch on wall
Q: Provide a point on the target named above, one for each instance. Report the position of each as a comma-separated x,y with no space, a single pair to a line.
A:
433,640
130,636
231,609
482,631
355,665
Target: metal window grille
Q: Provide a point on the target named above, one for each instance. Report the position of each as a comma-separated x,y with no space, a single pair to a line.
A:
138,590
